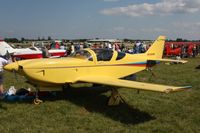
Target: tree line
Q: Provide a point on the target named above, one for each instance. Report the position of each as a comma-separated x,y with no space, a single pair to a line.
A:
15,40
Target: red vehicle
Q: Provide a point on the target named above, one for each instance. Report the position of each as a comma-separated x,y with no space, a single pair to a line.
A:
185,49
171,51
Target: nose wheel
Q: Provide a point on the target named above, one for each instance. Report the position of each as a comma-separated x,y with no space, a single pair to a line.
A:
37,101
115,98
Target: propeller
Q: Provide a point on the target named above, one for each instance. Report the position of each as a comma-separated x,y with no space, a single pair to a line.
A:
15,72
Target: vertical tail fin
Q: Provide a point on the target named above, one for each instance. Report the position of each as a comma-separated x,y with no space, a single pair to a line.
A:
156,49
5,47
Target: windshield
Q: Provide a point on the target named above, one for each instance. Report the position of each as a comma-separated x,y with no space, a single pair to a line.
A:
83,54
33,48
103,54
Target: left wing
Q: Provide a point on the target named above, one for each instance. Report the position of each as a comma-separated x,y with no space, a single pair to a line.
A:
132,84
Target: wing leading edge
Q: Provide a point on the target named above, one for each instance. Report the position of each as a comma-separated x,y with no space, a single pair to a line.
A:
132,84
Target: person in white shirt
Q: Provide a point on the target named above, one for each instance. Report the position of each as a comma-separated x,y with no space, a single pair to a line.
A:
3,62
109,45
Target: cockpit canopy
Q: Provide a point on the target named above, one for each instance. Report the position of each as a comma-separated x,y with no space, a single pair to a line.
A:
101,54
83,54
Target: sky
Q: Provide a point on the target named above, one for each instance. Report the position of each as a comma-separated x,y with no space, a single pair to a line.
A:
79,19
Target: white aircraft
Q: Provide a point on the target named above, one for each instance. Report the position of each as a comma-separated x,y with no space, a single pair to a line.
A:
27,53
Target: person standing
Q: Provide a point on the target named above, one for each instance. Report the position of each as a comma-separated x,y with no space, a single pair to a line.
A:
45,52
3,62
72,48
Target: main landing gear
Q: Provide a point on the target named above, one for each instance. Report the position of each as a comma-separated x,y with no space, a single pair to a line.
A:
115,98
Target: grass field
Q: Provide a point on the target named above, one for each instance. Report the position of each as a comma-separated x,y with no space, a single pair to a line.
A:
85,110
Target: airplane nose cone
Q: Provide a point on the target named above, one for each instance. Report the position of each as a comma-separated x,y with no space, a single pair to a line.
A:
11,66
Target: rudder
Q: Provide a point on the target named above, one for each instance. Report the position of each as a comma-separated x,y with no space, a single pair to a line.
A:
5,47
156,49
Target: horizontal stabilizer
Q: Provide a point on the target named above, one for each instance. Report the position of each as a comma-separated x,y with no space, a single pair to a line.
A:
170,60
132,84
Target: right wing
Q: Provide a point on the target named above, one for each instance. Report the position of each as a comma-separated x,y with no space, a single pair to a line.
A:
131,84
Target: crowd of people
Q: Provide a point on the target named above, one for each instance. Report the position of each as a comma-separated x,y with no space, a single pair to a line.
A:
134,48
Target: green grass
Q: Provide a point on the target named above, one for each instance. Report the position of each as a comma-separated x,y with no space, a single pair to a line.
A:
85,110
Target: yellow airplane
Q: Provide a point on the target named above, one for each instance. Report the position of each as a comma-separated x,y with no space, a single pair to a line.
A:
96,66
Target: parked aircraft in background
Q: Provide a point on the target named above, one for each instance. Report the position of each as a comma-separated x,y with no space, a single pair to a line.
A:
98,66
27,53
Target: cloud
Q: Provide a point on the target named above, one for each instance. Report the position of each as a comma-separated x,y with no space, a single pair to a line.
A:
187,30
187,26
164,7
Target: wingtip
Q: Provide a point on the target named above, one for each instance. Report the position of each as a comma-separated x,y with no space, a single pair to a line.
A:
183,88
187,87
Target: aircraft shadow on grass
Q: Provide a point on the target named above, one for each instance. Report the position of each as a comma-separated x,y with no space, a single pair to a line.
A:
93,100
